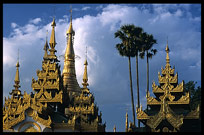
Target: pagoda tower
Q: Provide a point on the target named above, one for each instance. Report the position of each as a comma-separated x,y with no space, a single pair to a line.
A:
169,110
10,109
82,112
70,83
20,109
48,87
58,103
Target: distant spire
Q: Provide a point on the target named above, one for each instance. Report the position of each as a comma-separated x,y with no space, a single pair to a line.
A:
17,78
85,76
16,92
114,128
167,53
46,47
52,38
126,123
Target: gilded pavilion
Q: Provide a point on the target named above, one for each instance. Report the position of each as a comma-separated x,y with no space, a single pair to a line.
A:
169,110
58,104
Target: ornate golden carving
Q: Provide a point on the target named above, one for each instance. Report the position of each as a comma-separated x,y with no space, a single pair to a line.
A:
168,85
47,122
179,88
156,89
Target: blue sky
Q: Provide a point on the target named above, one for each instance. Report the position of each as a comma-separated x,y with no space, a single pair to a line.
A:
25,25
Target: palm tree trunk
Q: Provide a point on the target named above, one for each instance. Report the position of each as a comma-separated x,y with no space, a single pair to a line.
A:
147,71
138,96
131,89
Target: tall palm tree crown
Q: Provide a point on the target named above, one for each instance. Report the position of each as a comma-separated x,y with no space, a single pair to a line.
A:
127,48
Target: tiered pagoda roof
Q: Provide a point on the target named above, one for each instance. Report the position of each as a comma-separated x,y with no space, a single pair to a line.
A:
162,113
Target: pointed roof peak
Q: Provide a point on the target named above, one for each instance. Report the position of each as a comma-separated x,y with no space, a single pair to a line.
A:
17,64
46,44
85,76
70,30
86,63
53,24
167,47
167,52
52,38
17,78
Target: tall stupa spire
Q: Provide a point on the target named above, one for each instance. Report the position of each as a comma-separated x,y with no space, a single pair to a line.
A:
69,75
85,76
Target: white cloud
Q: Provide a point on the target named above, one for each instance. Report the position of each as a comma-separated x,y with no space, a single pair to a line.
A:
13,25
35,21
86,8
178,13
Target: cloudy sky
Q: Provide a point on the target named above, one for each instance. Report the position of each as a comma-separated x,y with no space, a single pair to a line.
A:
25,26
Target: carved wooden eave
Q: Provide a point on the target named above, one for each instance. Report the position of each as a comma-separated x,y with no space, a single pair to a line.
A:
46,97
167,71
152,101
47,85
37,118
83,110
141,115
179,88
9,121
154,121
156,89
185,99
195,114
175,120
170,79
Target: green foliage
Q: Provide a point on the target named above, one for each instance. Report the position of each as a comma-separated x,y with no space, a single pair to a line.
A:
130,35
195,94
147,43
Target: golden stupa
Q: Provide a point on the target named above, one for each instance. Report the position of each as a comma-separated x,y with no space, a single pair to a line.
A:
58,103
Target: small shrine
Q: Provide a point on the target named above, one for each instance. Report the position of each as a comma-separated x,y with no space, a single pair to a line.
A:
169,110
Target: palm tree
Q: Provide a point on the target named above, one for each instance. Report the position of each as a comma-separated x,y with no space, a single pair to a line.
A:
138,48
148,42
126,48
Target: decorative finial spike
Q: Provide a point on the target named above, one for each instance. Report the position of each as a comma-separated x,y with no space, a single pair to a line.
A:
52,39
86,52
18,54
17,78
114,129
70,30
46,47
167,53
54,11
17,64
85,76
